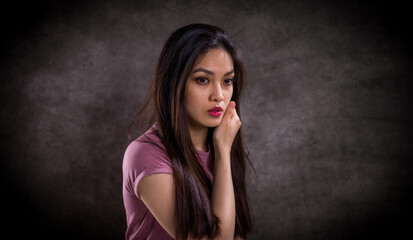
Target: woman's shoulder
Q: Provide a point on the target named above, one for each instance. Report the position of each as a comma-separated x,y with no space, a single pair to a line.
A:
147,148
149,139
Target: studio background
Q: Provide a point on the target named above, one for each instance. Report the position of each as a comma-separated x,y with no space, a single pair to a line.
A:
326,112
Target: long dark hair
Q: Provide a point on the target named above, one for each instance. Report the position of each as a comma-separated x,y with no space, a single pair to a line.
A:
165,104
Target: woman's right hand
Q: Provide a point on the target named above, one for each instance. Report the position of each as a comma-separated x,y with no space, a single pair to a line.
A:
226,131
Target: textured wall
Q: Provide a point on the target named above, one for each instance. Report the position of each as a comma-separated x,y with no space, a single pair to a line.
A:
326,114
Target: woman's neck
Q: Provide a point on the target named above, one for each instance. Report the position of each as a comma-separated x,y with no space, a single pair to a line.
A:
198,137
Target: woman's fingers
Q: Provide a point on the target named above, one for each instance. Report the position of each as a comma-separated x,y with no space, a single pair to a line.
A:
234,118
230,111
224,134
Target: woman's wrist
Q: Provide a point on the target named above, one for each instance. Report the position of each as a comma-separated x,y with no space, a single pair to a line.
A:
221,146
222,153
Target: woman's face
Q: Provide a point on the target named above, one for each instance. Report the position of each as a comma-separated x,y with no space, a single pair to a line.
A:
209,86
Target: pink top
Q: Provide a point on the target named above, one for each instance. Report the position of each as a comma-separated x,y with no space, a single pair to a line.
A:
144,156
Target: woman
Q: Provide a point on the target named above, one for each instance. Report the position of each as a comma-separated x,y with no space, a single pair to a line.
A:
185,177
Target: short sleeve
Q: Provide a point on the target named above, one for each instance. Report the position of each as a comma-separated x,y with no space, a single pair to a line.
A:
142,159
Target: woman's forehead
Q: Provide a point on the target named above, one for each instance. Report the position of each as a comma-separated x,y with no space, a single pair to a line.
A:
215,59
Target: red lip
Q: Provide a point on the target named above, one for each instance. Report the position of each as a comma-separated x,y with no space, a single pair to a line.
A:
215,109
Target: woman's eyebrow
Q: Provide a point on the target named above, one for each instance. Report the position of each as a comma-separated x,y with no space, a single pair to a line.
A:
210,72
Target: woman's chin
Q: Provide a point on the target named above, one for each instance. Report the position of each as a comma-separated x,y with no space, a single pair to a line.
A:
210,123
215,123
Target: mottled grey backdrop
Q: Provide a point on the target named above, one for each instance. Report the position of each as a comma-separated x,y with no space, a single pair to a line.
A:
326,113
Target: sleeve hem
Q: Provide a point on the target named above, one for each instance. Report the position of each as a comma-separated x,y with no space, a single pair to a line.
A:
145,174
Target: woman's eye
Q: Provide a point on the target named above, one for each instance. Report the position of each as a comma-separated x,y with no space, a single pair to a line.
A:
202,80
228,81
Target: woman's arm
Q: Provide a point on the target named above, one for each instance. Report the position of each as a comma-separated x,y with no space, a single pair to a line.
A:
158,193
223,199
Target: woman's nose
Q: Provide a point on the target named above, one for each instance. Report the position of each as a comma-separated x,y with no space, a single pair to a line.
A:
216,94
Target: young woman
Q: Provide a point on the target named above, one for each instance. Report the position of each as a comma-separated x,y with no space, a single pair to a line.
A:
185,177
